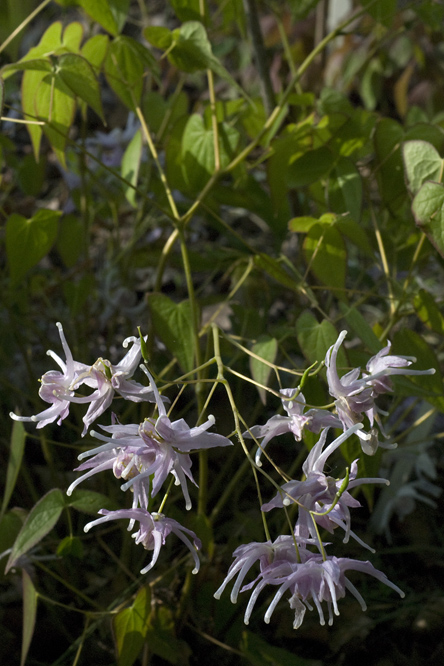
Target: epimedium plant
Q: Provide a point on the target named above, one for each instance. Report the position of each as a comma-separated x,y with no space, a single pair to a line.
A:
241,222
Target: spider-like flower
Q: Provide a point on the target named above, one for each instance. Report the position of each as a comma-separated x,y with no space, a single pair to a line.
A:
284,548
56,387
323,494
153,531
144,455
59,388
381,366
313,580
295,421
355,396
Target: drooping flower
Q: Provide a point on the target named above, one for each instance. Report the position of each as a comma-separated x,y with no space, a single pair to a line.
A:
296,420
314,580
355,395
153,531
323,494
267,552
59,388
381,366
144,455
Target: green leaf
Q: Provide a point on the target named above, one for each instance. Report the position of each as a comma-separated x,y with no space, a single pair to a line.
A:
100,11
345,189
409,343
70,241
18,439
29,614
124,69
70,546
131,164
192,52
360,327
186,10
90,502
55,103
421,162
158,36
428,311
130,627
310,168
316,338
383,11
162,640
198,157
30,83
389,136
275,270
28,241
78,75
302,225
266,347
428,210
40,521
10,526
94,50
174,326
326,255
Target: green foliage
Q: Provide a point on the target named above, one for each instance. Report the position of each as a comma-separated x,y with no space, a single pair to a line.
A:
37,525
18,439
28,241
150,188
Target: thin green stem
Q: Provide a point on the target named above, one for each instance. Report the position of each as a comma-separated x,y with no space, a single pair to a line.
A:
23,24
153,150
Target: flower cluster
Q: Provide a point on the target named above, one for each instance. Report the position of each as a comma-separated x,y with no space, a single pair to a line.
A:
145,455
142,455
298,563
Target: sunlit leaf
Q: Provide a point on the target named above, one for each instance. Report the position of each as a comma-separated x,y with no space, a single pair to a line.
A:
130,627
421,162
266,347
40,521
428,209
131,164
55,103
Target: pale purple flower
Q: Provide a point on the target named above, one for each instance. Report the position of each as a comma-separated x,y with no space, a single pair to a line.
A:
106,379
313,581
282,549
355,396
318,492
352,397
153,531
382,365
144,455
295,421
57,387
